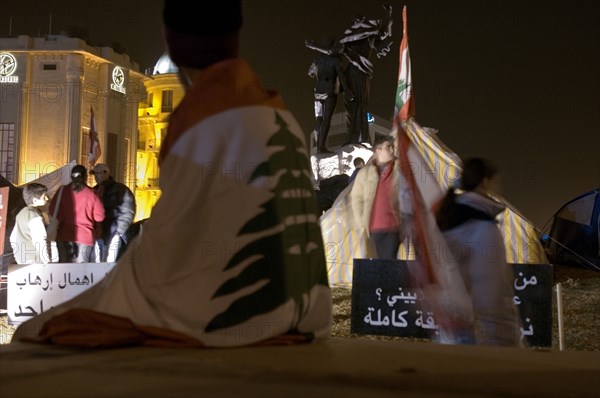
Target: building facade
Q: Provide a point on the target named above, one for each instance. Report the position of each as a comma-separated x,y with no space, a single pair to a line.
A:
48,87
164,93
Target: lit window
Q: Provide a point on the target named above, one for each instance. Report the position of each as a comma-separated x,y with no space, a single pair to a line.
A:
167,101
7,151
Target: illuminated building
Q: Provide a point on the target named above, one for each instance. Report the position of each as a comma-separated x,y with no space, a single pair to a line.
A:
164,92
48,86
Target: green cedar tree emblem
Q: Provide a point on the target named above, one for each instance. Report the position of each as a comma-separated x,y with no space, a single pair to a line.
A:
289,259
400,92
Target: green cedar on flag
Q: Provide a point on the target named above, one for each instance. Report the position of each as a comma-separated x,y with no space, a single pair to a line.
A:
404,107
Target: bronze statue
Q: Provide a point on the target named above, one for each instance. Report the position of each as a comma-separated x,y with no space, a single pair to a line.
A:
359,41
328,70
348,63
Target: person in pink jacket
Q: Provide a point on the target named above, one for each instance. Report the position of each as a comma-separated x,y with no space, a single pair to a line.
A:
79,209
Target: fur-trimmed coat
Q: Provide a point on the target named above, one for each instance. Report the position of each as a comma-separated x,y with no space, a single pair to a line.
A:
363,191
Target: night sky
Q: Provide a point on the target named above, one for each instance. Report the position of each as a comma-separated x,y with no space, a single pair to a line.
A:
514,81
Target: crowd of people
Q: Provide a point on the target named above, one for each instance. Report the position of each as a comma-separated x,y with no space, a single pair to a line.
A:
92,222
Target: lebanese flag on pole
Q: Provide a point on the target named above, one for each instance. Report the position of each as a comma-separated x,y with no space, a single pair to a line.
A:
94,144
404,107
436,272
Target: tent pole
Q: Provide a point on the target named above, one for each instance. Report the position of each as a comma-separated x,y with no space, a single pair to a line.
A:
561,345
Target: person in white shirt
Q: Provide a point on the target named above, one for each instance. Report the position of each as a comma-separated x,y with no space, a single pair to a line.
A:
28,238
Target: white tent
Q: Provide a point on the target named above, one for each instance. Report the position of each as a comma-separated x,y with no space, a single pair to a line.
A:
57,178
343,242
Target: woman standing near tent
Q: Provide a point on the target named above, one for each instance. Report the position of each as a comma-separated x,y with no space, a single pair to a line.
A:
468,222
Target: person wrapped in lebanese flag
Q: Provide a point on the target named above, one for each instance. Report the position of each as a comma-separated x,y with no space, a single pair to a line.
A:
232,254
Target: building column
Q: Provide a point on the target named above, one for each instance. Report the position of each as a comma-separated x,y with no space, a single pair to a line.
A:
74,75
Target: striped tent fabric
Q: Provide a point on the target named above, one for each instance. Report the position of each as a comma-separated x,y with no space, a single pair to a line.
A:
344,242
520,236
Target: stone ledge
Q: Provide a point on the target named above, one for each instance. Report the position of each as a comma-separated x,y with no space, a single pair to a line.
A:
337,367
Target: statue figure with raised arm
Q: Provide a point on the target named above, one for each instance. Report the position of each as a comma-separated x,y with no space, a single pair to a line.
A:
360,41
327,68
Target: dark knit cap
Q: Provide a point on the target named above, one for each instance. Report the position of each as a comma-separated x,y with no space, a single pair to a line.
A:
78,171
200,33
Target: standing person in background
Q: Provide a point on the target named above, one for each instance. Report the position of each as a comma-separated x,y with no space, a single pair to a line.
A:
233,253
468,223
358,164
374,200
28,238
78,212
119,210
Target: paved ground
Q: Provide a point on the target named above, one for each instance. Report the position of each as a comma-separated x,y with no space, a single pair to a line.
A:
337,368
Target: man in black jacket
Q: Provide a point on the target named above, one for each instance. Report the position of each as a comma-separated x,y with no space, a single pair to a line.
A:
119,207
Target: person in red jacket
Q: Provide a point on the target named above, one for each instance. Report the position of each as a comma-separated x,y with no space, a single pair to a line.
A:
374,200
79,209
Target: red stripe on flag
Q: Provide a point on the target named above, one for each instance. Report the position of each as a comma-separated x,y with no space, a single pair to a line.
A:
405,107
418,205
402,114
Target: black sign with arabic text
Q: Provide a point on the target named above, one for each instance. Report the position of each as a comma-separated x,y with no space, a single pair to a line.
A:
384,303
533,297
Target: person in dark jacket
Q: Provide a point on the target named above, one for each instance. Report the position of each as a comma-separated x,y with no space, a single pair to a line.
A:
119,208
358,164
